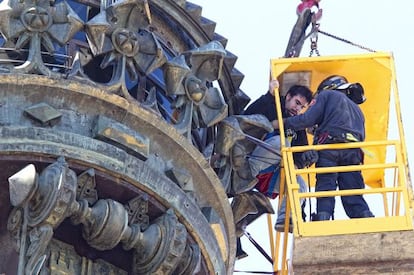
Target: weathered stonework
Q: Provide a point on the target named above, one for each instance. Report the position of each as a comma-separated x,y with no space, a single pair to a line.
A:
372,253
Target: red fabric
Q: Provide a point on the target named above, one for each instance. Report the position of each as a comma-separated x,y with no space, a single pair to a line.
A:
263,184
306,4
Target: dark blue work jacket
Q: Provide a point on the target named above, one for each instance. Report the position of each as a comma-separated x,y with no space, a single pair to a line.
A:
334,113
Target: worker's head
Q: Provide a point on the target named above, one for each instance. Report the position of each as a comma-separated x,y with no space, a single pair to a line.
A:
297,98
354,91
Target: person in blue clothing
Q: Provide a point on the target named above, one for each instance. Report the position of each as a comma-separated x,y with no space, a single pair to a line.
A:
339,119
293,103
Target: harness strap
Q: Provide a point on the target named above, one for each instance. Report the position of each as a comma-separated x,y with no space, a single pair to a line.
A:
325,137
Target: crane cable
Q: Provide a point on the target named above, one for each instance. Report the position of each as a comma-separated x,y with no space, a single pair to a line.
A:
345,40
313,35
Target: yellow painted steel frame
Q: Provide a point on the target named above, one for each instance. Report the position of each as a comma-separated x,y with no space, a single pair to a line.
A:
384,177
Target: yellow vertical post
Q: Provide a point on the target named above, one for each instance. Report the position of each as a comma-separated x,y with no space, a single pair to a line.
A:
271,238
277,244
394,88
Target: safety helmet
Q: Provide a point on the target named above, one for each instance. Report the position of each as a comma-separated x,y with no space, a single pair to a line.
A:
332,82
354,91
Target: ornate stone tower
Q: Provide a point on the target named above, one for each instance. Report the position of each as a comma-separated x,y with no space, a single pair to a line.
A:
109,114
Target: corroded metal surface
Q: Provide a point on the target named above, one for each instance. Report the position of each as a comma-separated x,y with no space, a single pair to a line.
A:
74,140
186,77
234,146
53,197
123,91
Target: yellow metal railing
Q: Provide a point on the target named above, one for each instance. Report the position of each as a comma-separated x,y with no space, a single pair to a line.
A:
392,219
396,216
386,171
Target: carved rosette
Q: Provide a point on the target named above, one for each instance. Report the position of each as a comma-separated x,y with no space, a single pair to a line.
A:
120,33
186,77
40,23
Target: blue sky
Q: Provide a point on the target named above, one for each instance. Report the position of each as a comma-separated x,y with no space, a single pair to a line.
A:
259,30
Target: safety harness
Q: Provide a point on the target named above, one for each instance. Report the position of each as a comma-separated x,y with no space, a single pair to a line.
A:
326,138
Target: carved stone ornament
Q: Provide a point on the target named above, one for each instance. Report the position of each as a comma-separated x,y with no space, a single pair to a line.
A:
113,86
39,24
120,33
236,139
158,248
63,259
186,77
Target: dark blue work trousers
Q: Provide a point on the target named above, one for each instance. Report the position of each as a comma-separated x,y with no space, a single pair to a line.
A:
353,205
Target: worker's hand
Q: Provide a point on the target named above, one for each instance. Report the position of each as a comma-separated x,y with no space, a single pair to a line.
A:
312,130
290,133
273,84
310,157
275,124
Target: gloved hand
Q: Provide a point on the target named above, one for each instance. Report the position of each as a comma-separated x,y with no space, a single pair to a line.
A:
310,157
290,133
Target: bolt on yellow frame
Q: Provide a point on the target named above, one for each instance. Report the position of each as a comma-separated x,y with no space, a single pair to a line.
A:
385,169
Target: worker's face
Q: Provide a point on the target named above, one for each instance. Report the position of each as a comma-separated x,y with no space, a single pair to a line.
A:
295,104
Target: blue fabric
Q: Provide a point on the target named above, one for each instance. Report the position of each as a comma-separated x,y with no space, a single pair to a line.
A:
273,179
281,213
353,205
334,113
269,135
